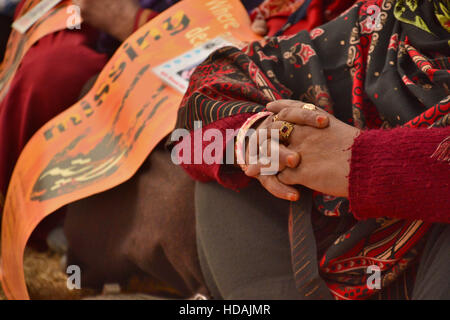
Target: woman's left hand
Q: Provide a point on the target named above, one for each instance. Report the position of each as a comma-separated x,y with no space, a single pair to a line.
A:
325,153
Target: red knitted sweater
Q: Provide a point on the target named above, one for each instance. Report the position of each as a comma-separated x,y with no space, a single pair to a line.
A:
392,172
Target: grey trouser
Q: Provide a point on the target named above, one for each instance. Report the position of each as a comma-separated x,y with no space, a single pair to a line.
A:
244,249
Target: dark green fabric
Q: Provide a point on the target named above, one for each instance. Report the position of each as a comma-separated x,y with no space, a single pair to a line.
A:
243,243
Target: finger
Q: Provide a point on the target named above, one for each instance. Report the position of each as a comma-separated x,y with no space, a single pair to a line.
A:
255,136
279,153
278,105
288,157
273,131
252,149
279,190
253,170
313,118
285,158
260,142
290,176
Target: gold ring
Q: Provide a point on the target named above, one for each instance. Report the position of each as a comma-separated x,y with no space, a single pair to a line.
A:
309,106
285,132
275,118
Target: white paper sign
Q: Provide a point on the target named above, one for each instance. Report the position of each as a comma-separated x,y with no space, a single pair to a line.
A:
26,21
176,72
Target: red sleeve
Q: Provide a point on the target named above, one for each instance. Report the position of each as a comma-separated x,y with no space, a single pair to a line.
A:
393,173
227,175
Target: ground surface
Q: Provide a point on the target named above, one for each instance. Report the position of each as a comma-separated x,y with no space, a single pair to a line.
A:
45,279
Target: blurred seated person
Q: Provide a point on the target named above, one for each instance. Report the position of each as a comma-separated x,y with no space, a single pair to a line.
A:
53,72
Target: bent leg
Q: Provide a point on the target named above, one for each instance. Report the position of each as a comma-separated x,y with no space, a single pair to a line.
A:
243,243
144,227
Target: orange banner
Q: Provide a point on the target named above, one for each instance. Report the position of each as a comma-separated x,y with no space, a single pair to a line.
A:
19,44
103,139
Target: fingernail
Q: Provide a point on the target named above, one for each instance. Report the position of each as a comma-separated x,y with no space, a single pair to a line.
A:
292,197
290,161
321,119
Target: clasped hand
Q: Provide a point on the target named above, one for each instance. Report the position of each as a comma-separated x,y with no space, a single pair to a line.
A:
317,154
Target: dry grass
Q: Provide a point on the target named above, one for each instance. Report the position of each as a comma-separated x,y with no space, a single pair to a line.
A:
45,279
2,294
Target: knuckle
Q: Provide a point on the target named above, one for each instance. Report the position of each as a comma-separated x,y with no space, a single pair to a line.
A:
284,113
309,116
291,103
312,115
303,114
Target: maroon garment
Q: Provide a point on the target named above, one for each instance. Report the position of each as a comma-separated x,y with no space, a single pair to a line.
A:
226,175
392,172
48,81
